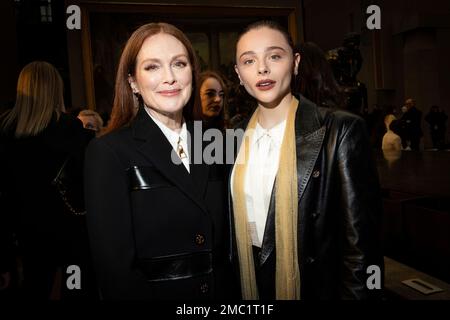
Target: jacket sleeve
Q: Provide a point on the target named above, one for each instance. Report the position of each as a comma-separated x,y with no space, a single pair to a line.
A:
110,224
362,212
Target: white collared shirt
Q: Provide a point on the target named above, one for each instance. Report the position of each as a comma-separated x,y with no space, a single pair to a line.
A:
173,137
264,155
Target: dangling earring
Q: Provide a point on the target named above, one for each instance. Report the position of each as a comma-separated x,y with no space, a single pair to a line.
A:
132,85
134,88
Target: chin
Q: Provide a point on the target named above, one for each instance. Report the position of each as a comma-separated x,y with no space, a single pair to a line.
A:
268,99
174,108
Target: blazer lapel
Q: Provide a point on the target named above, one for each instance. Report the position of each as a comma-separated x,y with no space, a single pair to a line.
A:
155,147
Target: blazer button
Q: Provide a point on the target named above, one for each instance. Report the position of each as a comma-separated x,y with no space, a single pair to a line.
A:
204,288
199,239
315,215
316,173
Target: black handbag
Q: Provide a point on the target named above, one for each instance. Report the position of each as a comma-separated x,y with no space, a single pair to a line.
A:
70,188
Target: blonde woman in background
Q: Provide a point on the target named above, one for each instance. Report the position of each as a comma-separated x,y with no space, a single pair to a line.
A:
36,139
391,139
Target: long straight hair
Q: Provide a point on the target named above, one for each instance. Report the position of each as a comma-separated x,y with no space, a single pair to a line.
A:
125,102
39,96
315,79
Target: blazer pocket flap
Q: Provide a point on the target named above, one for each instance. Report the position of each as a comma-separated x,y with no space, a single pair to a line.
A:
143,178
181,266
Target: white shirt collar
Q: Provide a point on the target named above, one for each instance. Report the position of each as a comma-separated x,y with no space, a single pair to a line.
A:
170,134
173,137
276,132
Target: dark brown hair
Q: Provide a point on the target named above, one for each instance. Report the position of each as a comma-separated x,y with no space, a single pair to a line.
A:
125,103
315,78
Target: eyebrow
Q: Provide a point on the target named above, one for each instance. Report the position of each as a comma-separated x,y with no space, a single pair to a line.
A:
213,90
267,49
173,58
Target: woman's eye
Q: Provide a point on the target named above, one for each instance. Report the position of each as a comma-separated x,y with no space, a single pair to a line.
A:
151,67
180,64
210,94
248,61
275,57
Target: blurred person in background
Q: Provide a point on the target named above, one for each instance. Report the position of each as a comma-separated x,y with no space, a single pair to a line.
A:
37,138
91,120
210,101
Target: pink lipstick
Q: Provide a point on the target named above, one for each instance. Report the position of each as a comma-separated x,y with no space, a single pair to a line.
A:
169,93
265,84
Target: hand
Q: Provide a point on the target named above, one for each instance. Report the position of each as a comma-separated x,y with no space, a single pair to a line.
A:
5,279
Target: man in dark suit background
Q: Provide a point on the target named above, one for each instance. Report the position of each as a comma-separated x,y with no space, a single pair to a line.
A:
411,125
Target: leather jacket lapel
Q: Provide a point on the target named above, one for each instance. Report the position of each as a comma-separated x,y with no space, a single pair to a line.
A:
309,133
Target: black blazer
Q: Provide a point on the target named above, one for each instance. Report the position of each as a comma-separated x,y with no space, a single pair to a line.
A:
156,231
339,219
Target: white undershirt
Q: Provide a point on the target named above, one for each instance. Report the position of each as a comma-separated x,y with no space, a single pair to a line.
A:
173,137
260,175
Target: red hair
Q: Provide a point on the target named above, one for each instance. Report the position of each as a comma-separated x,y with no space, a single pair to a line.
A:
125,103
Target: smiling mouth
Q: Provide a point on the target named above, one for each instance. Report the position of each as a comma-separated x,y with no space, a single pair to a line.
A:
169,93
214,107
266,84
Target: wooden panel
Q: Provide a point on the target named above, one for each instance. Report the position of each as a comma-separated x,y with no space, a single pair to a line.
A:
87,58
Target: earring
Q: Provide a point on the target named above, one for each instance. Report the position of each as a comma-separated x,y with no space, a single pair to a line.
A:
134,88
241,83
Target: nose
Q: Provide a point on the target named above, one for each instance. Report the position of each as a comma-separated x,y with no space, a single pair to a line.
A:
263,69
169,76
217,98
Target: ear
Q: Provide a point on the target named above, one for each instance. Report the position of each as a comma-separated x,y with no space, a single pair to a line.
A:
239,76
297,59
133,84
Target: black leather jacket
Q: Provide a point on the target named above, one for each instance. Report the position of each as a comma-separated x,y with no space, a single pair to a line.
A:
339,209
